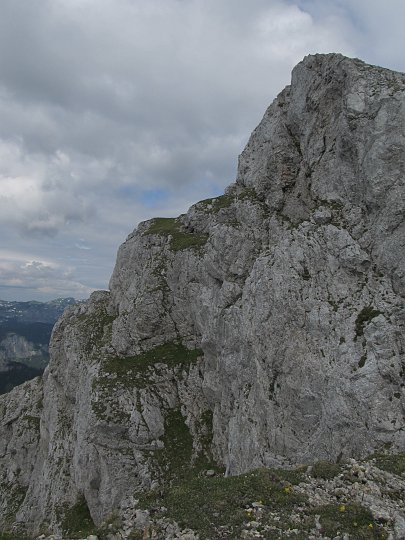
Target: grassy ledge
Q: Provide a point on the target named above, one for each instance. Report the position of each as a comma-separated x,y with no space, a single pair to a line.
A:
179,239
215,204
96,327
394,464
134,371
266,502
220,507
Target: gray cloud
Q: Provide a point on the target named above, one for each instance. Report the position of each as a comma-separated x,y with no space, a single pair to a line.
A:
113,111
46,278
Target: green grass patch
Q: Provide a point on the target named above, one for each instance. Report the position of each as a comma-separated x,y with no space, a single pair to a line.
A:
179,239
249,194
208,504
394,464
176,461
134,371
96,326
326,470
163,226
365,316
175,458
215,204
188,240
77,520
353,519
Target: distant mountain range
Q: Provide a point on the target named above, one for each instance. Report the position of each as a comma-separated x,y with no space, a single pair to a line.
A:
25,330
29,312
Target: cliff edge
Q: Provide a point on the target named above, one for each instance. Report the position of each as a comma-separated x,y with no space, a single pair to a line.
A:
265,327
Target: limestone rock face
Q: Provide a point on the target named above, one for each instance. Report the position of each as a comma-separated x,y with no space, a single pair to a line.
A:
265,326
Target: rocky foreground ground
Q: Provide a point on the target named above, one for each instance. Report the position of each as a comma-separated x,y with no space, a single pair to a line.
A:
352,500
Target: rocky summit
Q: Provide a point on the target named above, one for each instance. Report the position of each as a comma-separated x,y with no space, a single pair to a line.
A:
262,330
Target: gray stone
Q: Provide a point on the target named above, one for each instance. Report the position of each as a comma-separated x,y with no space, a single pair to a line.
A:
399,527
322,216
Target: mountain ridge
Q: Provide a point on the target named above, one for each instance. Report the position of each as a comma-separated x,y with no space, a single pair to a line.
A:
33,310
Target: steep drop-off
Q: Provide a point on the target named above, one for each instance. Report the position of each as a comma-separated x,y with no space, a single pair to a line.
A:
264,327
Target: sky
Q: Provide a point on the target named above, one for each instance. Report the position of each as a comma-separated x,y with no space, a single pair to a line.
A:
117,111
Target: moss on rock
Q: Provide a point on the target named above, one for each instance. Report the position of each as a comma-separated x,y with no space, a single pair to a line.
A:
179,239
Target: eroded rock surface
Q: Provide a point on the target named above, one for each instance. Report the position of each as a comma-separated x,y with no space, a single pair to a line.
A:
263,327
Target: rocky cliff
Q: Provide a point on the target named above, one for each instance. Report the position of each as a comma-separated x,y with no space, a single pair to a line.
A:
264,327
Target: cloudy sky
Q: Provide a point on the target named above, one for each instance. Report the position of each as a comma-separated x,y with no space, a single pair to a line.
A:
115,111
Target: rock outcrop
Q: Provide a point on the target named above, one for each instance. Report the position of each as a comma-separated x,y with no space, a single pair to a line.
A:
262,328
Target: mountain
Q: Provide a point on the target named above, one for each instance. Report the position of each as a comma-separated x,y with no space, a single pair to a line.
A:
262,329
34,312
25,331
